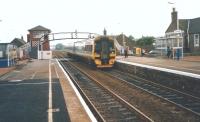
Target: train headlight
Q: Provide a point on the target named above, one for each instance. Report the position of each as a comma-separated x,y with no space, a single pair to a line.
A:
111,61
97,62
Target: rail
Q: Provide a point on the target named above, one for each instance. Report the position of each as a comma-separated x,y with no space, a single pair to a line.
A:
105,95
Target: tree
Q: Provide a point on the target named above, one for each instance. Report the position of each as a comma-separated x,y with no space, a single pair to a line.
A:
129,41
131,38
59,46
145,42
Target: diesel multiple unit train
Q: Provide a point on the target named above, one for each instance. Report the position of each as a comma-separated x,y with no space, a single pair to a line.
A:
99,51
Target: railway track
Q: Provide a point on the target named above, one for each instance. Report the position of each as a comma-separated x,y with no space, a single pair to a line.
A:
183,100
106,105
156,108
173,104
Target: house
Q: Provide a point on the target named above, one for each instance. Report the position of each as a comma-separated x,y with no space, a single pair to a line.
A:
18,42
191,32
34,37
23,48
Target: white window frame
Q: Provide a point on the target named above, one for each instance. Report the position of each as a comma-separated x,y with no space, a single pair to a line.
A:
1,54
196,40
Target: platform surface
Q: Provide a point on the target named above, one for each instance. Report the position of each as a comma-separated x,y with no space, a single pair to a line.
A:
188,64
25,91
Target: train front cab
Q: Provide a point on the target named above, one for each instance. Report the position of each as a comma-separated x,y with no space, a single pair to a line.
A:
104,52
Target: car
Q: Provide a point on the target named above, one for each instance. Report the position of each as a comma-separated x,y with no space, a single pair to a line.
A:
154,53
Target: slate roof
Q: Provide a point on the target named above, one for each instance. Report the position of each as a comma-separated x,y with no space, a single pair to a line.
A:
183,23
18,42
4,43
171,27
194,25
39,28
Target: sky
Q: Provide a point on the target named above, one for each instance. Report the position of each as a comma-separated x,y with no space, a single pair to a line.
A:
131,17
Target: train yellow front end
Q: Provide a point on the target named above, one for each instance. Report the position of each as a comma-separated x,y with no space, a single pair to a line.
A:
99,51
104,52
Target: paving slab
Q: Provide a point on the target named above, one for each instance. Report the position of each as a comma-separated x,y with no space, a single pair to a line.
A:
76,111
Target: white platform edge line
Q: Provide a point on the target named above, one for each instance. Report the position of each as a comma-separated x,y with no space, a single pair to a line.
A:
50,113
193,75
90,114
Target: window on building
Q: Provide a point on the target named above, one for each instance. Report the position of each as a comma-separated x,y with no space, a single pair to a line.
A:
196,40
39,34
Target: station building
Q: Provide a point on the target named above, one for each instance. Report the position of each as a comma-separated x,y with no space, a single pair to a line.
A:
183,34
190,32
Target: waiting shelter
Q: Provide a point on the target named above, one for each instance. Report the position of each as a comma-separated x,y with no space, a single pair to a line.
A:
173,40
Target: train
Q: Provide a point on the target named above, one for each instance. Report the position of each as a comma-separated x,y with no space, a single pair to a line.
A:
99,51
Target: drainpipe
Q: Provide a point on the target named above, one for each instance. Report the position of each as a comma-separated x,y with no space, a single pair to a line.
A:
8,56
177,24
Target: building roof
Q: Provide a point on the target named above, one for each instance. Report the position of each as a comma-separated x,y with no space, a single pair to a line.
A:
171,27
18,42
182,25
4,43
194,25
39,28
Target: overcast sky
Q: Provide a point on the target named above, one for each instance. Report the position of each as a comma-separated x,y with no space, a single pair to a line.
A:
132,17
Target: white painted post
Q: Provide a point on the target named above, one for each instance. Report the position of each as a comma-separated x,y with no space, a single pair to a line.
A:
8,55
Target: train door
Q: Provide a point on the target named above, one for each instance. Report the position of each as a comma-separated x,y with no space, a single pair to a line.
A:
104,51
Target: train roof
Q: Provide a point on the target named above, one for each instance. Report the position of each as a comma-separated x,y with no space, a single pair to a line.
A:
101,37
91,41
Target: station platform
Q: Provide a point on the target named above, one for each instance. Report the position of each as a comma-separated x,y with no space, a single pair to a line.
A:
38,90
189,64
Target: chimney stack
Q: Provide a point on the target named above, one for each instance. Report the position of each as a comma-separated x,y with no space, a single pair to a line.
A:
104,32
22,38
174,16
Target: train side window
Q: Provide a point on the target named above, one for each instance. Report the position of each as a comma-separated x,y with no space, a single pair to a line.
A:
88,48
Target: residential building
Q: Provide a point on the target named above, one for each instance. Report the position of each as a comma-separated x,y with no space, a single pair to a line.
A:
18,42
